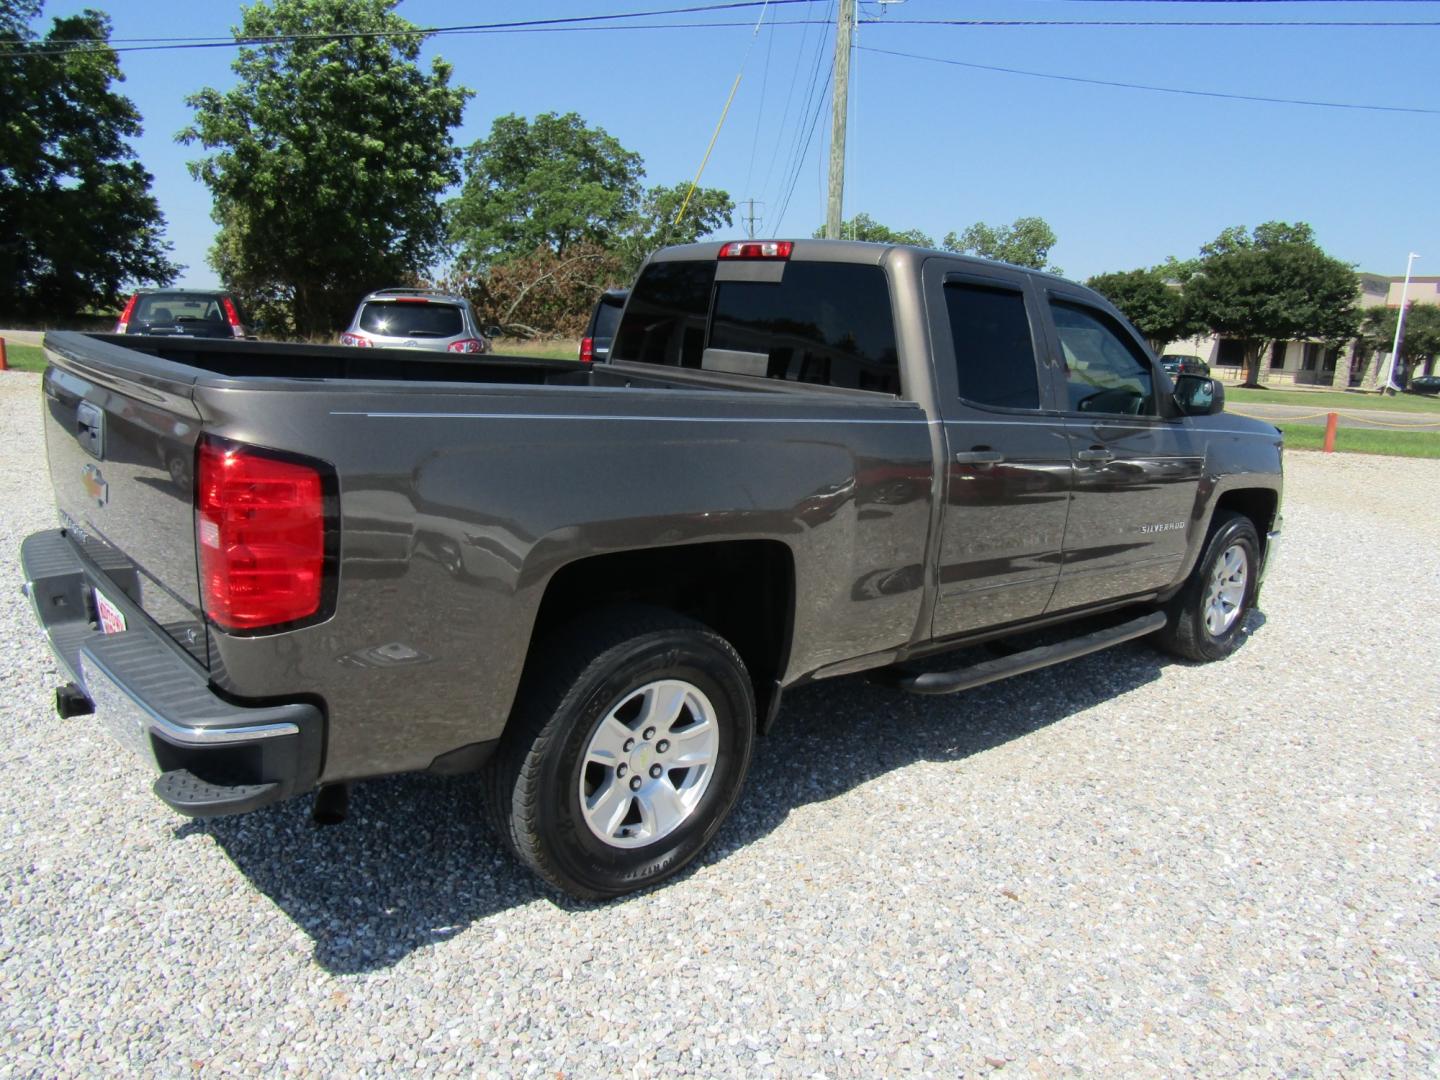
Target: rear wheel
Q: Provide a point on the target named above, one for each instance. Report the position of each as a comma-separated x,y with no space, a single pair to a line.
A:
627,749
1207,616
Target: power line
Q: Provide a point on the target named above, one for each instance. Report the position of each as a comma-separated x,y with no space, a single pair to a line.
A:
785,113
801,144
802,111
586,24
1362,2
1150,23
216,42
760,110
805,152
749,45
1157,89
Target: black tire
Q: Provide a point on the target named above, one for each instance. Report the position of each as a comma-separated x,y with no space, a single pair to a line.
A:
1188,634
573,682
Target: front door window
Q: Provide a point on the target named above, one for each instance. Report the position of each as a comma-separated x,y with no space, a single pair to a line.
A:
1105,372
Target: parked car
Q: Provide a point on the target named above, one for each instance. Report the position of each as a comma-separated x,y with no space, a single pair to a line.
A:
416,319
1184,364
596,582
1425,384
205,313
595,345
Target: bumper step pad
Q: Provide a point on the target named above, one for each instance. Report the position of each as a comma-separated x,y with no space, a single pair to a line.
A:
190,795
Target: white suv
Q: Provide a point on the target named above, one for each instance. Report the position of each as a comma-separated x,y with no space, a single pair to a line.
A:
416,319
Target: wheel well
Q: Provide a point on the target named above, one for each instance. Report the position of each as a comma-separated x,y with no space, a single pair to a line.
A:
743,590
1258,504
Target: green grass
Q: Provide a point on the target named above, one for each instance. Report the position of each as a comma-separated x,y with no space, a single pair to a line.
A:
554,349
1421,444
1337,400
25,357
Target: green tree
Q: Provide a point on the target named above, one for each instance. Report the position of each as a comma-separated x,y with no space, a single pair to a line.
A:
1420,345
550,183
1152,301
329,158
1026,242
77,220
863,227
1275,284
653,223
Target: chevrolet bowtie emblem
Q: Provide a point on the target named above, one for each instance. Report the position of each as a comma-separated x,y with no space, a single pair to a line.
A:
95,485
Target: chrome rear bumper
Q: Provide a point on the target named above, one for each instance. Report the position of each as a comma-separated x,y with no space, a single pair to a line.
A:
214,756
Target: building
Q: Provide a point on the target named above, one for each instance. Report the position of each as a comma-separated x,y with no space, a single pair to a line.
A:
1312,363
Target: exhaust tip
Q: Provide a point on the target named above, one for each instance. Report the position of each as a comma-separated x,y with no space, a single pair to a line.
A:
70,701
332,804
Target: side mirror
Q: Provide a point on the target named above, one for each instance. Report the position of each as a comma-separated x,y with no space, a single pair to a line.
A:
494,332
1199,395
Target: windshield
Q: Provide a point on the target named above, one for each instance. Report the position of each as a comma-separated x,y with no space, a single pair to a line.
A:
408,318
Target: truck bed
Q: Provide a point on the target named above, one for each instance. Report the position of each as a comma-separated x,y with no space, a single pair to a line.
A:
461,487
252,360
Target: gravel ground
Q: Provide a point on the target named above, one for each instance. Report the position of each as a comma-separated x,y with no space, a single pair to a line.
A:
1124,866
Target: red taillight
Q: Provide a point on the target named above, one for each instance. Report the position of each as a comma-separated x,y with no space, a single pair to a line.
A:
410,300
232,317
466,345
757,249
125,315
260,532
587,350
357,340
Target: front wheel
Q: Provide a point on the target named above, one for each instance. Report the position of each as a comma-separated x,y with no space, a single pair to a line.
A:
628,747
1207,616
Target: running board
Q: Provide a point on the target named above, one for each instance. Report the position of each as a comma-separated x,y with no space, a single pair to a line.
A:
950,682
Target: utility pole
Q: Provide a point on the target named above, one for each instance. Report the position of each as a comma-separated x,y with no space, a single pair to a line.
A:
842,108
750,219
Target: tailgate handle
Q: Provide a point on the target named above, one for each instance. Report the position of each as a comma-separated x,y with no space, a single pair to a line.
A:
1095,454
90,428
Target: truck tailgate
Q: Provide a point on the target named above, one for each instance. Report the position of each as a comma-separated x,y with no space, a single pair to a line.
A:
121,449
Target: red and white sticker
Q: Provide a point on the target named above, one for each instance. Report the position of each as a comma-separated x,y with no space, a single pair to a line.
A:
112,619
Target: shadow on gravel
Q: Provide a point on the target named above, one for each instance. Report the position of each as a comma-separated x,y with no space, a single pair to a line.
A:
414,863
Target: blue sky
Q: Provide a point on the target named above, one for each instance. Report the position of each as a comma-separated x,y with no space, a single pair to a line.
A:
1125,177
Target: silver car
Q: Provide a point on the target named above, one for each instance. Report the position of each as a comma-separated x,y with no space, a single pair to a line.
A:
416,319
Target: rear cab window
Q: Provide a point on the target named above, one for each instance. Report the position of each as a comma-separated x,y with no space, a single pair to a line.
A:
821,323
170,308
410,318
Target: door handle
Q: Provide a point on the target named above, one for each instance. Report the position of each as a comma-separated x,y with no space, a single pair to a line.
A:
1095,454
979,457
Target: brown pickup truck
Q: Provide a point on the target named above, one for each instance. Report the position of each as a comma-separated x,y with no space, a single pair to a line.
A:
283,568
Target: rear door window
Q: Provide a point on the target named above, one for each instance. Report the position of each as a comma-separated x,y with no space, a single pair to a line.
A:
399,318
994,351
